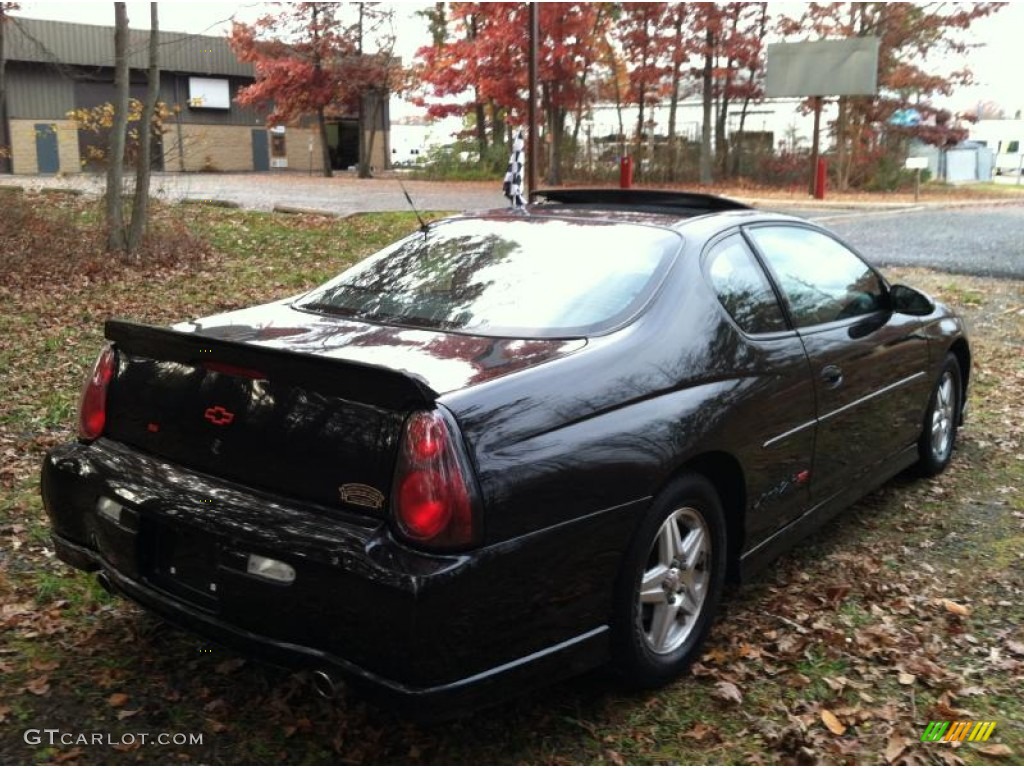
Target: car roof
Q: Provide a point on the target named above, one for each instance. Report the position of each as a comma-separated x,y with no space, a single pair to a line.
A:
670,209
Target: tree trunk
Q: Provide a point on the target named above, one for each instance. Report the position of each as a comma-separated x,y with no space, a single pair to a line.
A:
705,135
116,235
325,149
841,146
143,170
497,124
640,119
751,74
618,105
5,144
370,140
481,129
673,104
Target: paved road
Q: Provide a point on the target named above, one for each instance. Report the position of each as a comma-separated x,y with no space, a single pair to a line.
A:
975,240
980,240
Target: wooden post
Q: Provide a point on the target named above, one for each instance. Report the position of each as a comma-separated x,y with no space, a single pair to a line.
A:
917,184
815,145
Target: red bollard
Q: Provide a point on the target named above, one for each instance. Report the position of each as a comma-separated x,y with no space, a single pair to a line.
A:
626,172
820,179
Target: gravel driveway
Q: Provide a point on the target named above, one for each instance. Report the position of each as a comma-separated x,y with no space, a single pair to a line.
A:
343,194
985,239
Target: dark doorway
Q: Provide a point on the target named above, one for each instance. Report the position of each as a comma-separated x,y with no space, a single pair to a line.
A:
47,156
260,150
343,141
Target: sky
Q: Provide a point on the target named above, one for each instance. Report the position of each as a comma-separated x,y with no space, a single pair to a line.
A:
997,63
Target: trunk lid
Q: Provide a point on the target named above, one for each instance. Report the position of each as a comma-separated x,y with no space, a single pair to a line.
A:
291,402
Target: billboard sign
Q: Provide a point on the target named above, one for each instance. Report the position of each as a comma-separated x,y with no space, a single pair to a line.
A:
823,68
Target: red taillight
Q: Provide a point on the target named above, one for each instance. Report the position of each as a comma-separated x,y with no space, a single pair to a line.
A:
92,411
432,502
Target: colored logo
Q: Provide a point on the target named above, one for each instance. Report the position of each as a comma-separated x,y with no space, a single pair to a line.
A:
218,415
958,730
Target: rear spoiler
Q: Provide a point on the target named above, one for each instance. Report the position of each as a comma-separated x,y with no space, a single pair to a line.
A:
351,380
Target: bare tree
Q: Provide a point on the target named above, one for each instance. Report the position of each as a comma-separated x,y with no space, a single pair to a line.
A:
116,235
5,148
708,83
143,171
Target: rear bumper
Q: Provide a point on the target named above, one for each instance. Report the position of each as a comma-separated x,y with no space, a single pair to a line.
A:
429,635
571,656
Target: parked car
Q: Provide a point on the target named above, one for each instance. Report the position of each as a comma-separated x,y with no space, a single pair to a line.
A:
510,447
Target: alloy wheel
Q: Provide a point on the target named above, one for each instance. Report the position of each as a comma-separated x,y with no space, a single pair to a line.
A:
675,582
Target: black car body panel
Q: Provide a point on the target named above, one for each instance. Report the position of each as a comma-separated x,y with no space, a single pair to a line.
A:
274,432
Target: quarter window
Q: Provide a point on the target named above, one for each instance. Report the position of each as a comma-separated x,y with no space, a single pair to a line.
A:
823,281
742,287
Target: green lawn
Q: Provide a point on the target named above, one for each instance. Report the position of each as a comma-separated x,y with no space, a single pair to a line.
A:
908,608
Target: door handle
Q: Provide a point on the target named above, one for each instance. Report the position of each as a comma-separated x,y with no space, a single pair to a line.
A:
832,375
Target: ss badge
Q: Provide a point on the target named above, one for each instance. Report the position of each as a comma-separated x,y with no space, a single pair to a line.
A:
361,495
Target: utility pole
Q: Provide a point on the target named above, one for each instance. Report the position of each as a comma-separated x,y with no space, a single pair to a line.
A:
531,111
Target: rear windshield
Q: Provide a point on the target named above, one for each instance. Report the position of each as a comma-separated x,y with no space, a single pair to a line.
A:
523,278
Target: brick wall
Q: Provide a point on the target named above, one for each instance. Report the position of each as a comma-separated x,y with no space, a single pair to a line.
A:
297,145
229,148
23,146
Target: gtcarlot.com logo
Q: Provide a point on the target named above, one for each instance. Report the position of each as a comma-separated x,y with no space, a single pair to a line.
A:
55,737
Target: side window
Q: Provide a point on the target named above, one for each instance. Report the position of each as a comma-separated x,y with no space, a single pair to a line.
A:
743,288
823,281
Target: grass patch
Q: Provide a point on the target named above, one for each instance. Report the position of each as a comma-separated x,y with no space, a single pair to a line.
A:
854,622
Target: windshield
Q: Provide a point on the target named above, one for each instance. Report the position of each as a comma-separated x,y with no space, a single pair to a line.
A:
529,277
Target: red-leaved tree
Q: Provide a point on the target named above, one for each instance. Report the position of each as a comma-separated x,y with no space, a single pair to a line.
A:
912,36
307,60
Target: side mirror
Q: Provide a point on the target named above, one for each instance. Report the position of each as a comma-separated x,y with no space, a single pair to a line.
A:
908,301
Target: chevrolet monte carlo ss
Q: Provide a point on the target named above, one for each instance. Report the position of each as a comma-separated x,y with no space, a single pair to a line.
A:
512,446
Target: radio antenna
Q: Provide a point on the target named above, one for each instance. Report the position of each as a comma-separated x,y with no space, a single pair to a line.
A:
423,225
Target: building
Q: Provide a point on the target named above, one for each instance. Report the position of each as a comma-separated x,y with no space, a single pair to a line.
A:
55,67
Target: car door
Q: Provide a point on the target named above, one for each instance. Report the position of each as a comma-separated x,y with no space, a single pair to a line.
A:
778,418
869,364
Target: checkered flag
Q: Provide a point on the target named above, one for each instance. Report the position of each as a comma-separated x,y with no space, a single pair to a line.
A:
513,184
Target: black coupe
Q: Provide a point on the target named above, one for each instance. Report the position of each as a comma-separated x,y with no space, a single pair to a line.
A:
510,447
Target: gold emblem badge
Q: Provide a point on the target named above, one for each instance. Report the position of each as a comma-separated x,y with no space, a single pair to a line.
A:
361,495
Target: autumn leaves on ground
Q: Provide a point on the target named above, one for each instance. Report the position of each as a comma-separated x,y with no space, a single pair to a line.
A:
907,609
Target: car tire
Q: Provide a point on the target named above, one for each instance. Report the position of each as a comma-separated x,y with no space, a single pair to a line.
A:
670,584
941,420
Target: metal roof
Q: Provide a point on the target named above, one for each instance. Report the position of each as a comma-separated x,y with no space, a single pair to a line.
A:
62,42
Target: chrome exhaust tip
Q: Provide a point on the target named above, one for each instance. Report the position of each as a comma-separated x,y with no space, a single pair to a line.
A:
325,684
104,581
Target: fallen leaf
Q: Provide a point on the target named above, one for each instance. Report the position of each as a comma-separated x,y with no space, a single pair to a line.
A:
117,699
614,757
40,686
727,691
971,690
832,723
698,732
906,678
995,750
124,714
897,746
4,712
1015,647
956,608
